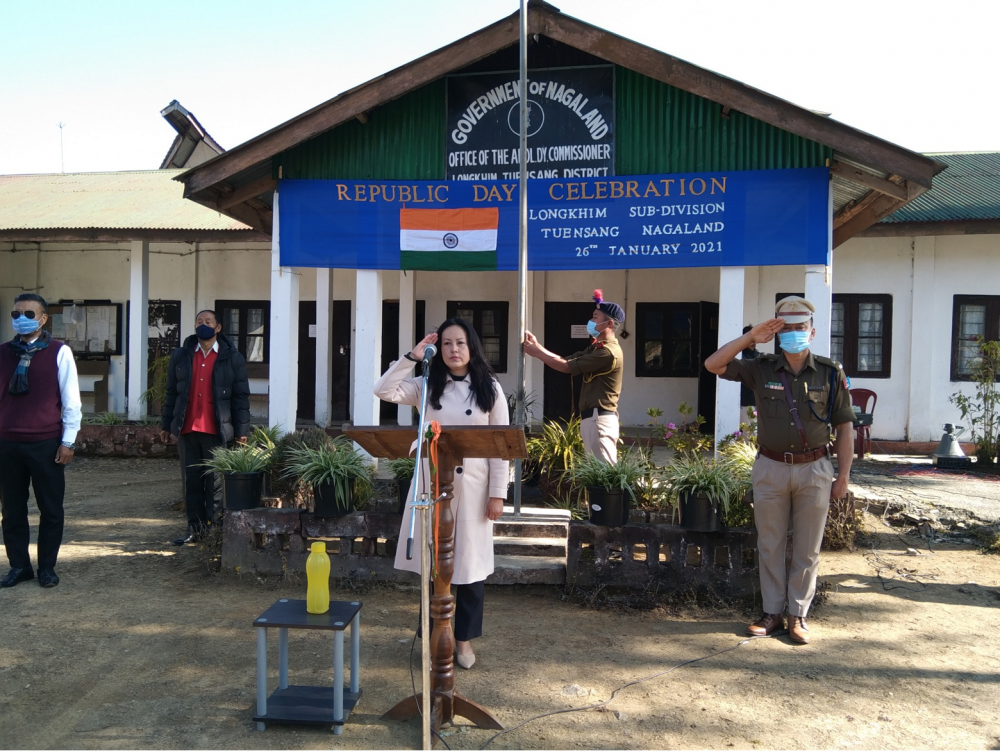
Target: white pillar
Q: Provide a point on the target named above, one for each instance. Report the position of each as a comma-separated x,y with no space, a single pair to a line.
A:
282,402
367,355
138,328
324,346
727,393
407,319
922,326
819,292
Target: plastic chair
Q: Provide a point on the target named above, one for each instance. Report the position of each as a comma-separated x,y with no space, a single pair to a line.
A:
865,399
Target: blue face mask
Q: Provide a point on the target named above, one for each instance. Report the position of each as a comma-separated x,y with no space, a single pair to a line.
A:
592,328
204,331
24,325
793,342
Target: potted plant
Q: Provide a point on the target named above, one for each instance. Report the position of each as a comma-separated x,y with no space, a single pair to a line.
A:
266,438
242,468
552,453
402,470
341,478
705,489
609,487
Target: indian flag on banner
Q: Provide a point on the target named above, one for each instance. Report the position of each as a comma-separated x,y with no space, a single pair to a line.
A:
458,240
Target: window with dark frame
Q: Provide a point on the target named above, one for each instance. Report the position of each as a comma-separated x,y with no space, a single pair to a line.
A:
247,323
973,316
860,333
666,339
489,319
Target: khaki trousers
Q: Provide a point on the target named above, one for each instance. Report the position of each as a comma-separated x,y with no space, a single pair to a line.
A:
600,437
801,492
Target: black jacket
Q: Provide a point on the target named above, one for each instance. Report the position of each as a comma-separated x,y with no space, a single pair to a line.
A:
230,389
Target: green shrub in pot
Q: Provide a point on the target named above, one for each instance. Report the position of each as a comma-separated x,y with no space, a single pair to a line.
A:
335,472
609,487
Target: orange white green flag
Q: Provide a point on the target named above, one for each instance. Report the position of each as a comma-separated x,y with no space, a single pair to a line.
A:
449,239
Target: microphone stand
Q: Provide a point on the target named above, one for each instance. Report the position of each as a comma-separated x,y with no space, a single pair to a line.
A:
422,505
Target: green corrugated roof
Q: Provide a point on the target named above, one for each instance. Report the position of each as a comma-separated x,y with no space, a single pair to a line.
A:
968,189
150,200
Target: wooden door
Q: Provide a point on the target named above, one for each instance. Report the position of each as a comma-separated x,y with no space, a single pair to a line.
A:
564,325
708,343
307,361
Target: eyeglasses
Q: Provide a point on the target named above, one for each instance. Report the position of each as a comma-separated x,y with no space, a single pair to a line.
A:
26,314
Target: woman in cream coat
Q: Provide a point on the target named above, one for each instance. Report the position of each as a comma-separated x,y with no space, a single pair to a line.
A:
461,390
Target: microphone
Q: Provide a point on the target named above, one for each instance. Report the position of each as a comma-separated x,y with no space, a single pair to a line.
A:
429,352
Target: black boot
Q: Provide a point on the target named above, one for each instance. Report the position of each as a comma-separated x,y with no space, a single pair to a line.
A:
193,535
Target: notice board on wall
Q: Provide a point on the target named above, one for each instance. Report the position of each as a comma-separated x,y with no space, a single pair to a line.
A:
89,328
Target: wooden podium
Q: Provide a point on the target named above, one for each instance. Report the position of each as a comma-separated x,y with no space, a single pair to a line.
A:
455,444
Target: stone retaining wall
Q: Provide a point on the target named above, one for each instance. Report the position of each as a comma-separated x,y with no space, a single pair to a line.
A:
637,556
126,440
276,541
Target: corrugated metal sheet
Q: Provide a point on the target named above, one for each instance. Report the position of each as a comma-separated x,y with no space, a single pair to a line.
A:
402,140
150,200
968,189
664,129
659,129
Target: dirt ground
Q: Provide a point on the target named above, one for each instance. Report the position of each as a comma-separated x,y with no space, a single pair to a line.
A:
143,645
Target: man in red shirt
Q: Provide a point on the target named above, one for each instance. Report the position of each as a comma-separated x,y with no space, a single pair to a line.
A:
207,406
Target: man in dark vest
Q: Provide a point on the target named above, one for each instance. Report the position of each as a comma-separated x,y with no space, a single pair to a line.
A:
207,406
40,414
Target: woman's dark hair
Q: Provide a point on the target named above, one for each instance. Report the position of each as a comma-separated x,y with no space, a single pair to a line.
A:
480,372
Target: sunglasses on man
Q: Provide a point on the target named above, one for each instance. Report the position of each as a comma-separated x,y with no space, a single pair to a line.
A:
26,314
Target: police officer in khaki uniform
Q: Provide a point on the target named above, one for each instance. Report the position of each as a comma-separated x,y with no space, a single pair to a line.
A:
799,397
601,366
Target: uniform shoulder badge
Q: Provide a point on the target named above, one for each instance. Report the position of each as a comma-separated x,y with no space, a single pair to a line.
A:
827,361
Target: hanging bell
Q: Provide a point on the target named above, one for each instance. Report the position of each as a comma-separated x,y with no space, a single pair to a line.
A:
949,446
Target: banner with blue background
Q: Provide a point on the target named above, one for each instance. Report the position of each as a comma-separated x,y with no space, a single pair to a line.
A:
752,218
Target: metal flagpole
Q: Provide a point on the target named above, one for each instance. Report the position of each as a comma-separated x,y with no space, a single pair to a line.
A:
522,247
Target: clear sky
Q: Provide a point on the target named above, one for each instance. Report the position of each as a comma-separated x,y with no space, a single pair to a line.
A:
920,74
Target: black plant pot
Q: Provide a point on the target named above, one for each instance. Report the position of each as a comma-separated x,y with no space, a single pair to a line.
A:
699,514
608,506
328,503
403,489
242,490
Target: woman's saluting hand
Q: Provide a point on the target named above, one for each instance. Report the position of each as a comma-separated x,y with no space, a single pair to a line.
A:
418,351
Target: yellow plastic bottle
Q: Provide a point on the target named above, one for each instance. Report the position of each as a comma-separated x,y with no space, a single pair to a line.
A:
318,577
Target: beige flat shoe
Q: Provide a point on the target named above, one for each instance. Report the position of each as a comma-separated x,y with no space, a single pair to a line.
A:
466,660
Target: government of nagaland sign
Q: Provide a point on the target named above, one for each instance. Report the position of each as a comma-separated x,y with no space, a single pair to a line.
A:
570,124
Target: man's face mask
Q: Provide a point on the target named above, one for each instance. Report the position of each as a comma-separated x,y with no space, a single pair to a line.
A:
23,325
794,341
204,331
592,328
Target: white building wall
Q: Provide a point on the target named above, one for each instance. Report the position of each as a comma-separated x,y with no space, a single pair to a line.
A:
198,275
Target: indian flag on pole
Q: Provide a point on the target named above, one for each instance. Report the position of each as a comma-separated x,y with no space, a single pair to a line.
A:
458,240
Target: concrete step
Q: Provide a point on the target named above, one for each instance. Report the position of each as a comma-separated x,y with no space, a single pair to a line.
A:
526,528
538,513
504,545
528,570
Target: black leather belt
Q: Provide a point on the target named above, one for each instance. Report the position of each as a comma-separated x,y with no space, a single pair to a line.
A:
593,412
795,458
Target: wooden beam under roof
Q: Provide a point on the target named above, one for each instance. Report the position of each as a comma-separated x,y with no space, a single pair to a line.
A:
869,179
250,190
881,207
